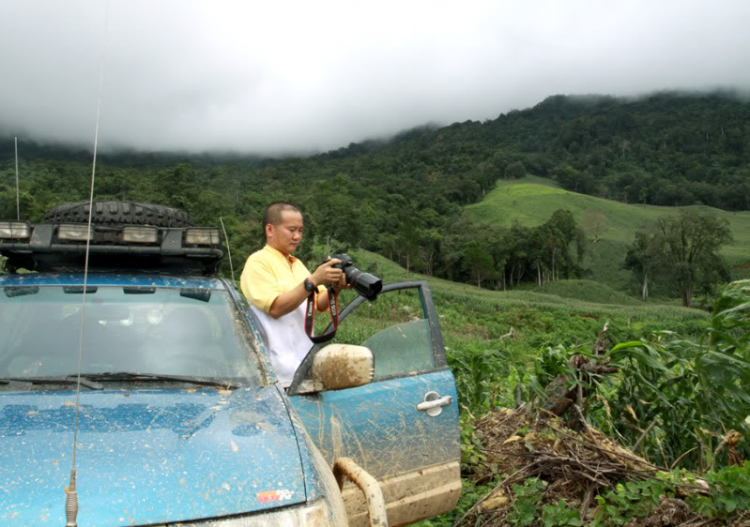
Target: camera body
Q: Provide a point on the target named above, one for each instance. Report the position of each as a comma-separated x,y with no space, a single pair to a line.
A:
367,285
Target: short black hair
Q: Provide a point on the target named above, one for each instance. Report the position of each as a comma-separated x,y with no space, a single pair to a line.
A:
272,213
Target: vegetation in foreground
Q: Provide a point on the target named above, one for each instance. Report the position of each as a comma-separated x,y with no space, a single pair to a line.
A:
664,436
683,390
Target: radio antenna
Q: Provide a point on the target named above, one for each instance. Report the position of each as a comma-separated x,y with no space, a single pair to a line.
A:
71,502
229,252
18,199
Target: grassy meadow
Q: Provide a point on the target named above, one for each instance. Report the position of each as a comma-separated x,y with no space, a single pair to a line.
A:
576,298
532,200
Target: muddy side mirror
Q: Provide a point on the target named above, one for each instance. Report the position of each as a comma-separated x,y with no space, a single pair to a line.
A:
340,366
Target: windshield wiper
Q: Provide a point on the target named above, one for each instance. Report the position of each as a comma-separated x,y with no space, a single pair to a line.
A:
20,290
204,295
14,381
136,376
55,379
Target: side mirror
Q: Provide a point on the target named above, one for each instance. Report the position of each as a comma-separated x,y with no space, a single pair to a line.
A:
340,366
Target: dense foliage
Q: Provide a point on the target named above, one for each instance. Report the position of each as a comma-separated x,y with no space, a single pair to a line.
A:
679,398
692,388
665,149
489,361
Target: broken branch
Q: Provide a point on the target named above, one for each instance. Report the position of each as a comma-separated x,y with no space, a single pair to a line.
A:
643,436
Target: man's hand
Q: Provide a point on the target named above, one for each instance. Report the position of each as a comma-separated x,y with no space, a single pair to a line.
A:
341,284
326,274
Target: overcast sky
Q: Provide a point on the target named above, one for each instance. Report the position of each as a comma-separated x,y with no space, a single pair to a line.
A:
273,76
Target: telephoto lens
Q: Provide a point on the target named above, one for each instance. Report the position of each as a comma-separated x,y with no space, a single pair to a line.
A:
367,285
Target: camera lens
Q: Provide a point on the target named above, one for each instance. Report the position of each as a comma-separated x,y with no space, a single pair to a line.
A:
365,284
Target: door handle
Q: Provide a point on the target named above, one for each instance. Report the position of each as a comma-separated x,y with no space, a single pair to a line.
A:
433,403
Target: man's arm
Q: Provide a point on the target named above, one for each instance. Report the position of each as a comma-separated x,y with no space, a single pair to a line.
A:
287,302
325,274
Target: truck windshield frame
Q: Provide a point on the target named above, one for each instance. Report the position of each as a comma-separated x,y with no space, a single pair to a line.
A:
162,331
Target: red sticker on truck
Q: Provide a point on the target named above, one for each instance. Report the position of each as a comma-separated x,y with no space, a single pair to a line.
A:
274,495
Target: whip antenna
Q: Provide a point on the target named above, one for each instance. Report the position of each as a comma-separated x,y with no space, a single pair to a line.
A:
71,502
18,199
229,252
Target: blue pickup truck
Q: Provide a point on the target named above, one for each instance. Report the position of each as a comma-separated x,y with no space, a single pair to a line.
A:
178,415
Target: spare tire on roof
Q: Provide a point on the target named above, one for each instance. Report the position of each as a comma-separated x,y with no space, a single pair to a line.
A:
120,213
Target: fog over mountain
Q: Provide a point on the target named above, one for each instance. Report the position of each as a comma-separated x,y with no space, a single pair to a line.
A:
309,76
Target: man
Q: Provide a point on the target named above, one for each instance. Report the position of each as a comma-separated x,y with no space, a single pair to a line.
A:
277,286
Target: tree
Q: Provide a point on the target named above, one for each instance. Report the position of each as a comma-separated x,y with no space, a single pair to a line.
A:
595,222
557,234
641,260
478,262
180,186
516,240
515,170
429,246
333,206
453,243
686,248
535,250
389,244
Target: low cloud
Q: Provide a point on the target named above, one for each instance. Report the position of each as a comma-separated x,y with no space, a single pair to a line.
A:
238,76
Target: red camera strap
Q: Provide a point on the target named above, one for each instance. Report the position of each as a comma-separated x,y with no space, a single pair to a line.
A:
333,309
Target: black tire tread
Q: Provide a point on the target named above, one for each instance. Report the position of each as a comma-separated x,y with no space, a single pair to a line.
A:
119,213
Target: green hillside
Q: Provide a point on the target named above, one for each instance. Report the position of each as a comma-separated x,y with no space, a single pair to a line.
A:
531,200
577,299
588,291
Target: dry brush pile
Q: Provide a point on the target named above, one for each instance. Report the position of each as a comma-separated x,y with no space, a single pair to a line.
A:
573,468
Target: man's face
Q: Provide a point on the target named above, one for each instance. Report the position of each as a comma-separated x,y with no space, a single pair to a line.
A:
285,236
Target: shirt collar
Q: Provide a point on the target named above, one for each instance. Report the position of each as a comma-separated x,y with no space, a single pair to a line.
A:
278,254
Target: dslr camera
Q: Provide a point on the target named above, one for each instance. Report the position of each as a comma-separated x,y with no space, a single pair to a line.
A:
365,284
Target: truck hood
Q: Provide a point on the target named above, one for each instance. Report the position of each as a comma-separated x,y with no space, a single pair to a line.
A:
147,456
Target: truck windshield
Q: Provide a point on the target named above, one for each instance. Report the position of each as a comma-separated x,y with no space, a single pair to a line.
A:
170,331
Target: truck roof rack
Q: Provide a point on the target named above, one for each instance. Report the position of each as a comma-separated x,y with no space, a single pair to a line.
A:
61,247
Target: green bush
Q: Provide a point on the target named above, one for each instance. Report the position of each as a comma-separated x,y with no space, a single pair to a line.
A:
526,502
560,514
729,493
695,390
632,500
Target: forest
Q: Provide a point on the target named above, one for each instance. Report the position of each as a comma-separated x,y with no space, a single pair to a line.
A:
405,197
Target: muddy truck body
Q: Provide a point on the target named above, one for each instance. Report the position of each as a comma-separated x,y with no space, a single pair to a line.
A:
180,419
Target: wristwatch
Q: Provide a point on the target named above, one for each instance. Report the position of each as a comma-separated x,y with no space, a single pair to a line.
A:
309,286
